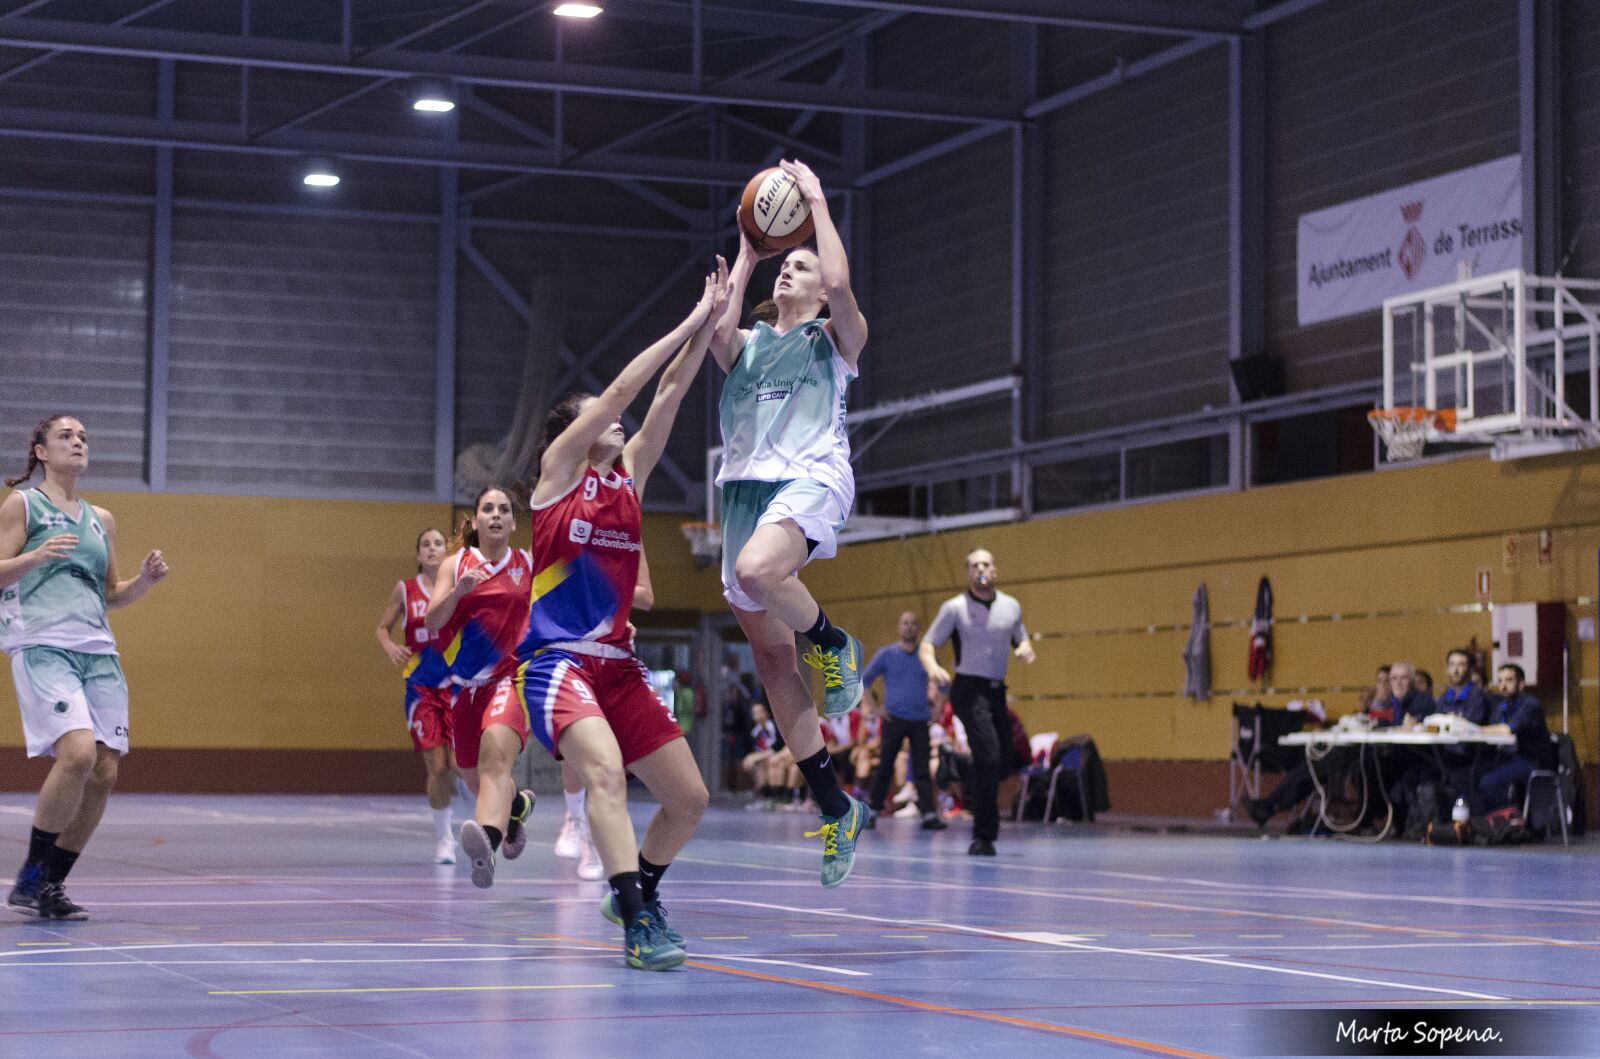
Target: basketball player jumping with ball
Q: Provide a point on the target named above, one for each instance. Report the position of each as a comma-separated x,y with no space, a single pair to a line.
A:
787,486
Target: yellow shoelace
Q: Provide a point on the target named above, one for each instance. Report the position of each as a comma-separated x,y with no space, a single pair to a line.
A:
830,838
817,658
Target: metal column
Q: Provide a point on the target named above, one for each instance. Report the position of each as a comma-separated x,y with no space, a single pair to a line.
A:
444,400
160,290
1539,127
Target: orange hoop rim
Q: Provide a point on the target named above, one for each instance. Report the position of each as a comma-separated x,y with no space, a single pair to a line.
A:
1442,418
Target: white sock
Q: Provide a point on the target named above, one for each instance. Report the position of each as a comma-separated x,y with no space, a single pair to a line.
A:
441,824
575,804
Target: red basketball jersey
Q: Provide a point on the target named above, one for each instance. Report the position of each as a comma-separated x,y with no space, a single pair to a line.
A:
586,546
418,592
479,641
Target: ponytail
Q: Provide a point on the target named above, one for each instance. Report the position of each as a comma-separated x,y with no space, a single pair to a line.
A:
41,434
466,534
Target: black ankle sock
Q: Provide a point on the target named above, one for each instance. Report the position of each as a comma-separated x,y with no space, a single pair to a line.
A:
58,862
494,836
824,633
824,782
625,886
40,843
650,878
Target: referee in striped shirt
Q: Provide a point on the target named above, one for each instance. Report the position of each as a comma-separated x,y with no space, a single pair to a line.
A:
984,626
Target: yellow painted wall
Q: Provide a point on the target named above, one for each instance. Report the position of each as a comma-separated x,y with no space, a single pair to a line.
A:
262,635
1401,540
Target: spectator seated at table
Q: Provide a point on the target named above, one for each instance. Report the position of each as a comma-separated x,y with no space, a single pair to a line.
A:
1500,775
1406,703
1464,695
1337,768
1401,771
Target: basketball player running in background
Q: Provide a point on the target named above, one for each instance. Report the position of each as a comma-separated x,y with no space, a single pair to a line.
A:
427,707
787,486
58,576
475,617
588,695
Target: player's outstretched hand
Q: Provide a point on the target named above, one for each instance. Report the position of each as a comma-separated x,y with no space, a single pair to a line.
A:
703,309
724,287
810,187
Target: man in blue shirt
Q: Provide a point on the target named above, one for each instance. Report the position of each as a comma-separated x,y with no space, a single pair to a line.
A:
1464,695
905,702
1519,713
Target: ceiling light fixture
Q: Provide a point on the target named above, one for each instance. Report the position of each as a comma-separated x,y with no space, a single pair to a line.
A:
320,175
578,10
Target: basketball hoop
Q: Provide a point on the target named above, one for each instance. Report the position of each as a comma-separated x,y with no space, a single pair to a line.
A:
1405,430
705,541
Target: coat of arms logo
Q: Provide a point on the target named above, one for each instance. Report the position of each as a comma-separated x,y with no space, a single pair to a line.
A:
1413,248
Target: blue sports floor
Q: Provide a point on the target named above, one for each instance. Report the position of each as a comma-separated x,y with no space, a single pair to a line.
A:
296,926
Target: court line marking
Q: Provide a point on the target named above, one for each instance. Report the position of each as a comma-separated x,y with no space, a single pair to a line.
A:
922,1005
277,1010
306,960
1150,1047
1115,951
142,947
1210,910
405,989
785,963
1573,905
1446,944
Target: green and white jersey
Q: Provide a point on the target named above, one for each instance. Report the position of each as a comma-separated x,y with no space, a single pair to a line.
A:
62,603
782,411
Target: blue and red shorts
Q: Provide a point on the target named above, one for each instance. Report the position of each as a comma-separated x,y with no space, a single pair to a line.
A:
559,687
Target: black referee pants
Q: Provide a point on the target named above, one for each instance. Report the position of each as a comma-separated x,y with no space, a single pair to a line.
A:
896,731
981,706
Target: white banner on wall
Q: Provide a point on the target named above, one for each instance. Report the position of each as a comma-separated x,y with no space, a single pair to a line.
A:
1354,255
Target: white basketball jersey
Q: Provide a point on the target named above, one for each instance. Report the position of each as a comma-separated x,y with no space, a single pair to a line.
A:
782,411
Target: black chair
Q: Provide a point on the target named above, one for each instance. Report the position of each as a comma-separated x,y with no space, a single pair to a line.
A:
1256,730
1553,799
1078,779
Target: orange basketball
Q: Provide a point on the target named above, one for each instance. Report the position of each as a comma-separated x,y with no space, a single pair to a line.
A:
773,213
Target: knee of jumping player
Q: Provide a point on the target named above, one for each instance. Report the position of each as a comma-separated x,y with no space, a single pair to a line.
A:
775,662
757,575
104,774
76,758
